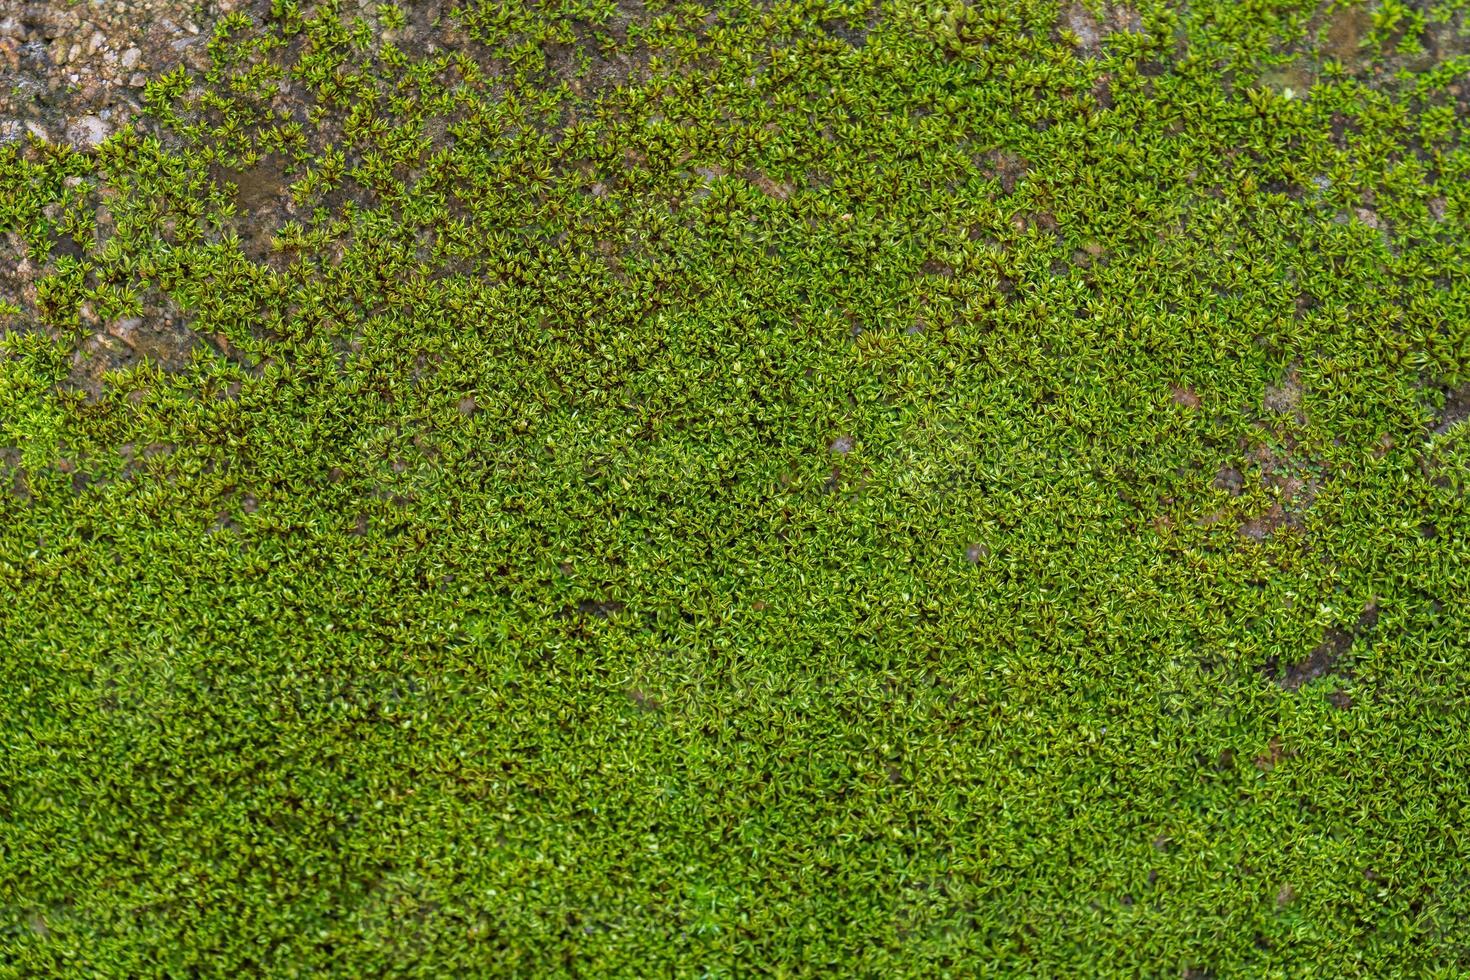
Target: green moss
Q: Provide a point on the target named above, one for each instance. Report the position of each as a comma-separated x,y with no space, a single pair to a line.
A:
692,490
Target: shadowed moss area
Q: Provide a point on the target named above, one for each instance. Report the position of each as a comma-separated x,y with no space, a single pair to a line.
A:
576,488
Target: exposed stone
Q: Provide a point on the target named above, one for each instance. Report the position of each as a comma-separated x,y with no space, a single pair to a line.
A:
66,66
88,132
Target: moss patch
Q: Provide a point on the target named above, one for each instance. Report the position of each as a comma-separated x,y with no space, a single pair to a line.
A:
580,488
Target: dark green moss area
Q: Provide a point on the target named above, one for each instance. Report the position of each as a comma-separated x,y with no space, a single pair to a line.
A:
813,489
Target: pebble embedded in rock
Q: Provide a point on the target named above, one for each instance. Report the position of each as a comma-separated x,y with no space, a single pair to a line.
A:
125,328
88,132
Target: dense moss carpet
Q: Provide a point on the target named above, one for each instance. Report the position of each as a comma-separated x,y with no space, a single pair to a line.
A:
567,489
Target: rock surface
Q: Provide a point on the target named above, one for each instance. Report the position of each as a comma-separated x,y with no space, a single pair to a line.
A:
74,73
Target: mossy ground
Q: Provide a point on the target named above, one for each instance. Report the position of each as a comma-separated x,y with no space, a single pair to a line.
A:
708,490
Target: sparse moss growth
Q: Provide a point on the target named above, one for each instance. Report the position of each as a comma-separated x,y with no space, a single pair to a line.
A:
588,489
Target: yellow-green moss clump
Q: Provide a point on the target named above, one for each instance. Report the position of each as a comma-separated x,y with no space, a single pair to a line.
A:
572,489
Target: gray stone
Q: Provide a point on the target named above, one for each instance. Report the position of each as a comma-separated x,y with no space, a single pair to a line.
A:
88,131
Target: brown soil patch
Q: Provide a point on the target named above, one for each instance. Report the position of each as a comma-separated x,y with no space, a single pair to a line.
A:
1345,33
1184,396
1456,410
1092,29
1324,657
